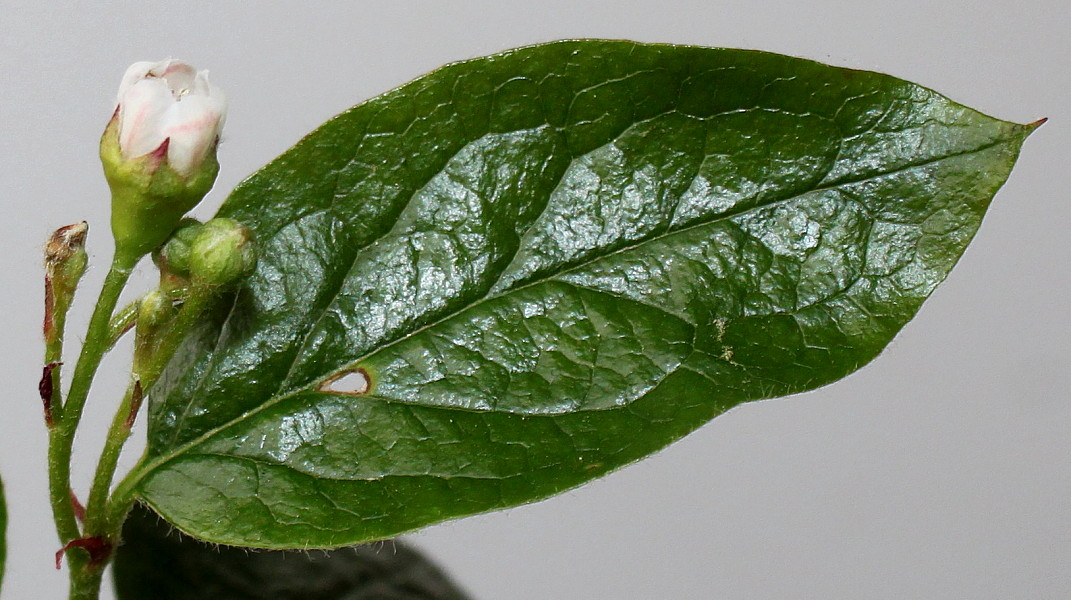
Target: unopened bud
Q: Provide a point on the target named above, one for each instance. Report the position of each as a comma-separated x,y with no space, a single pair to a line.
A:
222,253
65,263
159,151
173,258
154,310
65,255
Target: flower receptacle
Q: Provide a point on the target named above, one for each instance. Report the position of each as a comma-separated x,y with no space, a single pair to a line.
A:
149,197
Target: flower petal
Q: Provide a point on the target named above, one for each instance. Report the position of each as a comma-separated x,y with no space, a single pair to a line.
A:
206,88
142,109
178,74
192,124
169,100
134,73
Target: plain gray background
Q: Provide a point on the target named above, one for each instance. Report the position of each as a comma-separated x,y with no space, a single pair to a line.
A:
939,471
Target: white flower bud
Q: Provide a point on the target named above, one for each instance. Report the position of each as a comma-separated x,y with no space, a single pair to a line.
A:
159,152
169,101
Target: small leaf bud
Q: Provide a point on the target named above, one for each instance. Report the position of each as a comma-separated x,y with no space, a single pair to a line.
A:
65,263
155,310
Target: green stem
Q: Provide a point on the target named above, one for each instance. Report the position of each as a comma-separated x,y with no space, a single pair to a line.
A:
126,317
95,346
61,436
54,353
122,497
85,582
122,322
96,517
103,515
189,315
59,495
59,479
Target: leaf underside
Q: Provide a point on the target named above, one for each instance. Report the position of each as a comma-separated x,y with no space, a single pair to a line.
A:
158,563
520,272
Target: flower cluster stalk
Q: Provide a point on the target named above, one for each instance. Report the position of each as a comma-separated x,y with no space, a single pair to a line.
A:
100,517
159,155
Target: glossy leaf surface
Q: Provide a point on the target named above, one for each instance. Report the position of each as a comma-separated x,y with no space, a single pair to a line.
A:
156,562
520,272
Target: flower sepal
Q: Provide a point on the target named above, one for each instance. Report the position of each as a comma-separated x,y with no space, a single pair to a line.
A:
149,197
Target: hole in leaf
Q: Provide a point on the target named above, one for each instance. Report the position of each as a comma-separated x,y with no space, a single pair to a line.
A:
354,382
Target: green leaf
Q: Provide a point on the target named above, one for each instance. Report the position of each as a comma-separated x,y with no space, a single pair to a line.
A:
156,562
550,263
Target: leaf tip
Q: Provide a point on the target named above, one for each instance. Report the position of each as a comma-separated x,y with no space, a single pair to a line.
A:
1032,126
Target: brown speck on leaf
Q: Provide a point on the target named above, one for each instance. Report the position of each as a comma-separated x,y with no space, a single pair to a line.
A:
353,382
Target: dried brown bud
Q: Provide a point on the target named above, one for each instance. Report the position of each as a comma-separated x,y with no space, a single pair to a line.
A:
65,263
64,244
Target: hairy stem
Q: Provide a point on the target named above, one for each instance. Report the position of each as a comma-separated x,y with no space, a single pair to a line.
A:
103,515
85,582
122,322
61,436
55,323
96,518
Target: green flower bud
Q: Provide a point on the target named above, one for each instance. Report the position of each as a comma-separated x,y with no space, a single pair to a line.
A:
154,310
173,258
159,152
222,253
